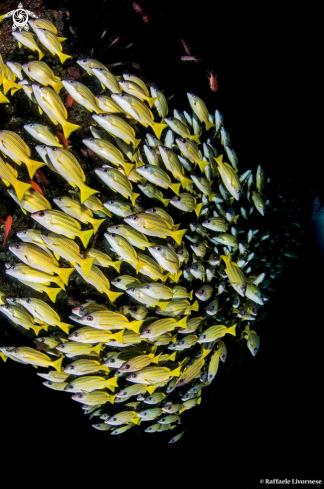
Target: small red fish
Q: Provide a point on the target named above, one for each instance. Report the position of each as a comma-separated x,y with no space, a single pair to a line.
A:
137,8
114,41
62,139
36,186
190,58
213,83
7,227
146,18
41,178
186,47
68,101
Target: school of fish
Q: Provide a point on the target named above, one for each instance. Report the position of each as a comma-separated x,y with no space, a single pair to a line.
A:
186,275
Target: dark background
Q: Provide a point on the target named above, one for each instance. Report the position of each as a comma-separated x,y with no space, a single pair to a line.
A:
262,417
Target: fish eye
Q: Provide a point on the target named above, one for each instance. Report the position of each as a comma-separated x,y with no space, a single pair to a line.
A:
127,365
134,376
15,350
40,340
159,248
31,125
105,170
112,360
80,396
180,252
71,367
114,419
69,386
118,280
41,213
54,149
148,331
116,227
194,267
60,198
28,301
46,234
181,342
76,334
49,382
25,232
255,349
112,340
17,246
134,218
89,318
203,336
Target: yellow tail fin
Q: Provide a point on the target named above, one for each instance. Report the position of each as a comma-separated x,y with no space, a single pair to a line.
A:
202,164
112,383
57,364
231,330
97,349
136,142
158,128
176,188
185,182
195,138
176,372
178,235
112,296
7,84
156,359
32,166
96,223
3,356
173,356
21,188
3,99
57,86
128,167
40,54
165,202
116,265
118,336
135,326
134,197
64,274
150,389
163,305
209,125
191,295
195,306
111,399
58,281
63,57
51,292
68,127
64,327
86,192
85,237
198,208
165,277
182,323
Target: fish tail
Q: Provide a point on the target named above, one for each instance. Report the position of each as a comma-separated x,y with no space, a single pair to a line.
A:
231,330
52,292
182,323
136,142
21,188
111,399
97,349
198,208
58,281
7,84
152,100
182,409
128,168
138,265
185,182
176,372
63,57
14,90
195,306
40,54
37,329
136,421
134,197
173,356
163,305
202,164
32,166
3,99
156,359
3,356
150,389
64,274
85,237
199,401
158,128
62,39
118,336
68,127
135,326
117,264
165,202
226,258
113,381
195,138
176,188
164,277
209,125
57,85
96,223
86,192
236,218
64,327
178,235
57,363
112,296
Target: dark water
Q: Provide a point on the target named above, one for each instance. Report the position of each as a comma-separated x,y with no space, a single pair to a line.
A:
261,418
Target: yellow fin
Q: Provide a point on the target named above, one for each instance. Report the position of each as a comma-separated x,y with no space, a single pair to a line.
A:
97,348
202,164
57,363
150,389
209,125
198,208
85,237
113,296
64,327
158,128
96,223
86,192
116,264
68,127
32,166
135,326
64,274
63,57
21,188
134,197
52,292
178,235
176,188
